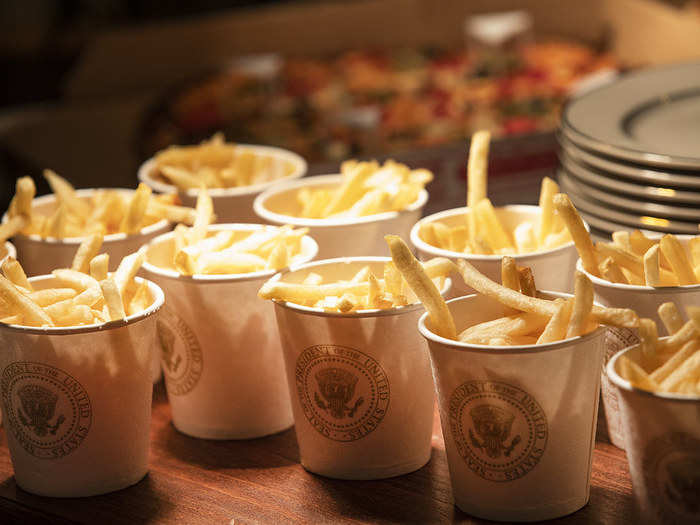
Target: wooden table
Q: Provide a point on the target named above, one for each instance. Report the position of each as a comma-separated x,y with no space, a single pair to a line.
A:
260,481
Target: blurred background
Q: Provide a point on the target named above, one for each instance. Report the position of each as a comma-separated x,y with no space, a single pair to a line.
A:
93,88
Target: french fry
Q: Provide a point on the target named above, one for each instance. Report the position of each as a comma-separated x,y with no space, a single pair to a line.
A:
610,271
22,305
670,317
128,268
565,209
583,305
99,266
304,293
375,293
690,368
204,210
13,270
622,239
171,212
72,279
675,254
556,328
548,190
651,266
65,193
513,325
279,258
113,299
361,275
636,375
50,296
510,277
680,356
393,280
527,281
141,300
477,175
640,243
313,279
86,252
136,211
351,189
347,302
12,227
686,333
488,222
22,201
649,338
422,286
524,236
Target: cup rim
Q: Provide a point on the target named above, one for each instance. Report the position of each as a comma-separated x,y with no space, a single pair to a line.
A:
623,384
651,290
112,237
356,314
423,246
156,305
220,278
301,167
316,180
459,346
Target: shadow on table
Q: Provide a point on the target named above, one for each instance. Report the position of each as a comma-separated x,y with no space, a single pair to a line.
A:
277,450
142,500
417,497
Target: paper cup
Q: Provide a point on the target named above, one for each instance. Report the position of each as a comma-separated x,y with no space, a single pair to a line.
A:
220,352
645,300
350,237
663,448
360,382
519,448
231,205
553,269
77,402
41,255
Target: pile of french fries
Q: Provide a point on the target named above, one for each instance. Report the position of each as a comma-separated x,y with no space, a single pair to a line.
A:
217,164
366,189
482,231
363,291
106,212
84,294
632,257
671,364
528,319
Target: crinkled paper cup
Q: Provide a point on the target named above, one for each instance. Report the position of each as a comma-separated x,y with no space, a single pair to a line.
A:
360,382
231,205
645,300
342,237
662,433
77,402
42,255
553,269
519,448
220,351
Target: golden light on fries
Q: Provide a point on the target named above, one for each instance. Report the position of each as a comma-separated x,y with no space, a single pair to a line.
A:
217,164
105,212
78,298
669,365
483,231
366,188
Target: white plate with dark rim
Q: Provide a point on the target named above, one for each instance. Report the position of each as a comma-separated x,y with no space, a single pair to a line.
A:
629,171
683,213
649,117
590,206
649,193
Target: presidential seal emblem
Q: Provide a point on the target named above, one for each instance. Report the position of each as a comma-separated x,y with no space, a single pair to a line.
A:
344,393
47,410
499,429
181,355
671,467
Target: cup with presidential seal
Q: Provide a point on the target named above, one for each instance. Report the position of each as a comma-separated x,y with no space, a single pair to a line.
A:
77,401
220,352
518,421
662,433
359,378
646,301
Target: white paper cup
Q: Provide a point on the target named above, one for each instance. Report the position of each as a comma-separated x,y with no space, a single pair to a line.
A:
662,433
519,447
231,205
220,351
553,269
645,300
77,402
41,255
360,382
349,237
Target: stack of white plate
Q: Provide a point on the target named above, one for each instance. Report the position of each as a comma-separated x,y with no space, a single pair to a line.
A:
630,152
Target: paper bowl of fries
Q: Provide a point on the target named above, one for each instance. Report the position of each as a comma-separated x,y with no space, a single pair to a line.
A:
439,235
220,352
349,214
234,174
518,448
671,260
358,372
76,390
659,396
55,226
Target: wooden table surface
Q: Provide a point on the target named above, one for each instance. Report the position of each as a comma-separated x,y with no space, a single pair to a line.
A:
194,481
